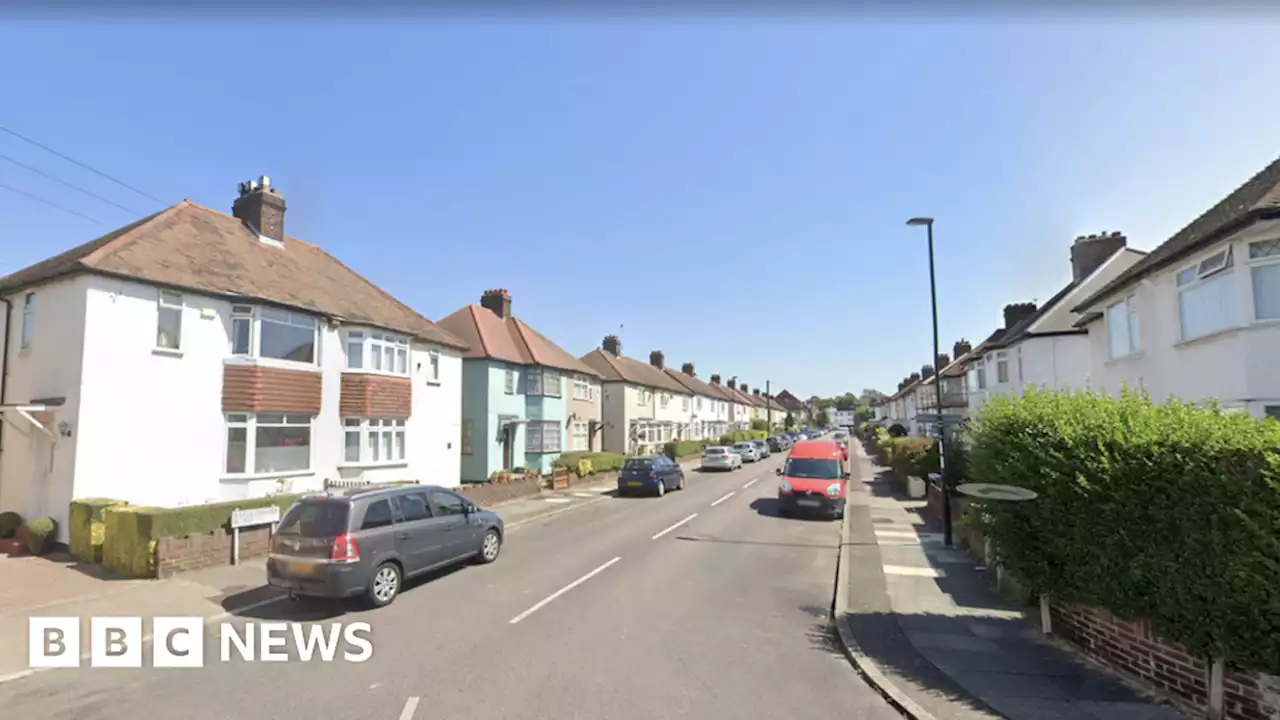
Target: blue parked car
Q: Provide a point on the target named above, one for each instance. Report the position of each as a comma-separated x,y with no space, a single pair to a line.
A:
650,475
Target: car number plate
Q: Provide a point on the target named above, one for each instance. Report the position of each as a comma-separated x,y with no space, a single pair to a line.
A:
298,568
635,483
809,503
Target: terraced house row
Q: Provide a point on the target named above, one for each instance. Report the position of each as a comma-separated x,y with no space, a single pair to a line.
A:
1198,318
195,356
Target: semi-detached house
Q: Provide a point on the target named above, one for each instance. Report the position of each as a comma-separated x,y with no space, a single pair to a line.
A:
525,400
194,356
643,408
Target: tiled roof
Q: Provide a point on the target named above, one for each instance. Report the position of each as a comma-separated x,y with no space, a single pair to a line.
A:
510,340
694,385
1018,331
191,247
1254,199
620,368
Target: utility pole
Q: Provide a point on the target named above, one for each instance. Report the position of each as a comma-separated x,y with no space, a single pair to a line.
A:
768,405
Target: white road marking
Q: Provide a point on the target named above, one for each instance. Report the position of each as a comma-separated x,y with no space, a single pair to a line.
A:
673,527
410,706
913,571
548,599
904,534
750,483
558,499
584,494
726,497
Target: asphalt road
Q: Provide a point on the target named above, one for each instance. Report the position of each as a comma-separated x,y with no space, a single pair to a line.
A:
595,614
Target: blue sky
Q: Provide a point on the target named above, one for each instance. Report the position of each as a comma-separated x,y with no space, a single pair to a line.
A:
732,193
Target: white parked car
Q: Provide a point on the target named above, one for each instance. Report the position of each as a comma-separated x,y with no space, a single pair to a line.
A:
748,451
719,457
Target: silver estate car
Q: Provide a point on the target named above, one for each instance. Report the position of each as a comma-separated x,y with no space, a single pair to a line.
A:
748,451
719,457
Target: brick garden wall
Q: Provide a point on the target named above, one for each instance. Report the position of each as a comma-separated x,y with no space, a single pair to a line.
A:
1131,648
175,555
486,494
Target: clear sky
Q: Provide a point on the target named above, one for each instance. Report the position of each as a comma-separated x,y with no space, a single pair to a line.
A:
732,192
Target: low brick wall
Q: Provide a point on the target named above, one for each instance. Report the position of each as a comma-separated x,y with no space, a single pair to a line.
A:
175,555
486,494
1131,648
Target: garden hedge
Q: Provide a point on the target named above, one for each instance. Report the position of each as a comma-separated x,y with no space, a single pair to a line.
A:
1169,512
600,461
86,529
683,449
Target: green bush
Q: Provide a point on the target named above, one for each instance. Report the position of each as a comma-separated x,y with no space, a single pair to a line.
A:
9,524
913,456
1169,512
41,533
682,449
600,461
86,529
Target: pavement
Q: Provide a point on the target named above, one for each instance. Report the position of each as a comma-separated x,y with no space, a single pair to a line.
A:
704,603
922,623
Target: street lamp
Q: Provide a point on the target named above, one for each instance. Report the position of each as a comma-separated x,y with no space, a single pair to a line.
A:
937,384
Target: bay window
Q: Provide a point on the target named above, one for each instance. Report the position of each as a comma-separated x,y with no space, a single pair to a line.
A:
373,440
542,381
271,333
542,436
267,443
377,352
1264,272
1123,330
1205,296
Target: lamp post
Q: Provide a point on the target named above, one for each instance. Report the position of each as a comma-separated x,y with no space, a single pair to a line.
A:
937,384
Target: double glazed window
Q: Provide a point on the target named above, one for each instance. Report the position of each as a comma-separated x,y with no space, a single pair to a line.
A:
582,388
581,438
377,352
1264,271
267,443
542,436
28,319
1124,331
271,333
542,381
1002,367
1205,296
169,320
373,440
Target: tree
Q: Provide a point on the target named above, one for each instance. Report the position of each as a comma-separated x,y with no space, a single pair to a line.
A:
788,421
847,401
871,396
823,419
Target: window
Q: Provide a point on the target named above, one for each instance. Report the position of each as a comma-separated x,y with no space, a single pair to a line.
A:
1272,411
468,432
542,436
168,320
581,388
28,319
377,515
699,405
640,393
684,403
665,399
1264,271
449,504
1123,331
377,352
415,506
373,440
281,334
274,442
1020,375
509,382
433,366
551,383
581,438
977,376
1205,296
1002,367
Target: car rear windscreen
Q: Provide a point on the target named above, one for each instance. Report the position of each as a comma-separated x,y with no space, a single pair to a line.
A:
715,451
315,519
637,464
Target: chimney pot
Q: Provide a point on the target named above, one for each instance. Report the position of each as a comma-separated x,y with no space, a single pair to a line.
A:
1017,312
733,383
687,369
943,360
497,301
715,379
961,348
612,345
657,359
1089,253
261,208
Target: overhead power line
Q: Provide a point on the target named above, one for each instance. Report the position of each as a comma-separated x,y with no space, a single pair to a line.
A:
72,160
91,194
48,202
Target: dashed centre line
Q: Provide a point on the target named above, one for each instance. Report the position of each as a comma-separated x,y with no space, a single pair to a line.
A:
673,527
726,497
750,482
410,706
548,599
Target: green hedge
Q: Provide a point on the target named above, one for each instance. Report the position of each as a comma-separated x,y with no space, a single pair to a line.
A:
129,543
600,461
682,449
1169,512
738,436
86,529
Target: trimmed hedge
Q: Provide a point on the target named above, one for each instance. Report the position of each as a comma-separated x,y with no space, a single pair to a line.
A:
600,461
1168,512
87,529
682,449
129,543
738,436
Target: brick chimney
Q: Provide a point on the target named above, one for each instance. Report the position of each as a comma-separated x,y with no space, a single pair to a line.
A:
612,345
715,379
913,377
261,207
1017,312
657,359
687,369
926,371
961,347
1089,252
755,391
943,361
497,301
733,383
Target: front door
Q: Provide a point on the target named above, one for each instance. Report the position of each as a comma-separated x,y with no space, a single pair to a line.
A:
508,434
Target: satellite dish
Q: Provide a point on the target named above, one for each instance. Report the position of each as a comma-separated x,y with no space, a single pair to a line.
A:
990,491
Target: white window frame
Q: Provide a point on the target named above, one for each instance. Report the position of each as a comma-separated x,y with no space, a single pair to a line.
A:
552,383
1217,267
28,320
640,393
535,438
1132,327
433,367
377,352
581,387
666,398
253,316
509,381
684,403
1002,367
580,436
379,441
168,302
250,423
1261,256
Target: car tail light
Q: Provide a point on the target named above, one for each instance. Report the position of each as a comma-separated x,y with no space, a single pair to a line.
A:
653,474
345,549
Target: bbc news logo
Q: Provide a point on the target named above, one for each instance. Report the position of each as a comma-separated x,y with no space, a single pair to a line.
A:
177,642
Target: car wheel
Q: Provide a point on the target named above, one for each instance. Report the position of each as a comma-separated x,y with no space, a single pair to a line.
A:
490,547
662,487
385,585
680,482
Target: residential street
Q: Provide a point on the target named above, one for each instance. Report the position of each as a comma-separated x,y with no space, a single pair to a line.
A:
722,616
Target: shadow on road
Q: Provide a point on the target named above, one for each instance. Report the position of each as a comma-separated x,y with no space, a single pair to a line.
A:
309,609
692,538
768,507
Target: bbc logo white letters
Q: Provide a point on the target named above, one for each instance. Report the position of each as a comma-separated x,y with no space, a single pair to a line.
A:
53,642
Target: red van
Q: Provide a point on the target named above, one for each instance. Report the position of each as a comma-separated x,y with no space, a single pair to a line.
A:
814,479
